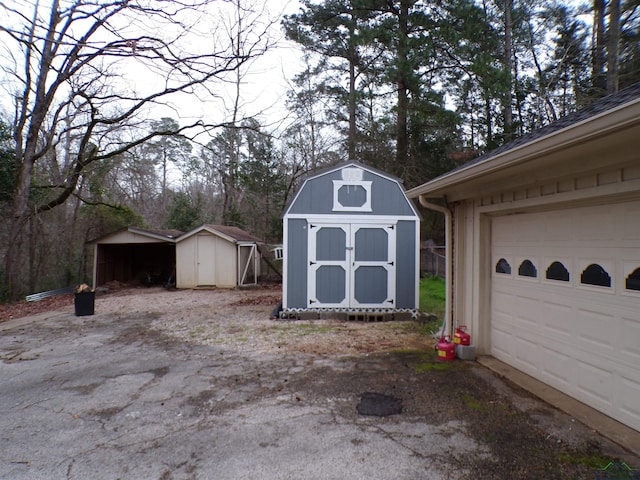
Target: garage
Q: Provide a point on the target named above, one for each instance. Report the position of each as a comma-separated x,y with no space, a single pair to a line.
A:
565,302
543,254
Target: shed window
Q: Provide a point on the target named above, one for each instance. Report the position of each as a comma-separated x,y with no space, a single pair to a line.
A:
503,266
594,274
527,269
633,280
351,196
557,271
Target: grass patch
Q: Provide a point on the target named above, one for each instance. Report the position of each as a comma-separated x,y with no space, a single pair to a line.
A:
471,402
425,360
430,327
432,295
432,367
595,461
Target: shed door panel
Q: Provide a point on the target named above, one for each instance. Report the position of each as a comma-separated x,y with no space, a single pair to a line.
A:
564,307
205,260
351,266
373,278
328,265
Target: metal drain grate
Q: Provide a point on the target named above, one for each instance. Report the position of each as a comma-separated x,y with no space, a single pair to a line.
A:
378,405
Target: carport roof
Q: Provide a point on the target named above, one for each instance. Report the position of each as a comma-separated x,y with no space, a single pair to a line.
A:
166,235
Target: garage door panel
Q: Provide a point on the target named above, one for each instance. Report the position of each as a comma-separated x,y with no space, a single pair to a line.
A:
582,339
631,225
554,367
595,383
555,226
527,311
502,344
595,328
551,315
597,224
526,353
630,338
629,405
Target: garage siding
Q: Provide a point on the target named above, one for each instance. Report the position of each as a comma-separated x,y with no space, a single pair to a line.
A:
562,307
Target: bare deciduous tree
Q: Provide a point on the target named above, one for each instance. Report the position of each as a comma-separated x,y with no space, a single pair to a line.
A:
79,71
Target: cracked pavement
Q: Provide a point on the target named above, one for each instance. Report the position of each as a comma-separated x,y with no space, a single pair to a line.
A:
109,397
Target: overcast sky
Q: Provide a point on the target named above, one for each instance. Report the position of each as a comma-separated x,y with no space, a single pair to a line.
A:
265,81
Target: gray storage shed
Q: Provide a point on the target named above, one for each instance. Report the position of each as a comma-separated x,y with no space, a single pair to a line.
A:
351,244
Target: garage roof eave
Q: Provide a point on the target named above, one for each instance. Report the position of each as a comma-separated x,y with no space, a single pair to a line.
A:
525,156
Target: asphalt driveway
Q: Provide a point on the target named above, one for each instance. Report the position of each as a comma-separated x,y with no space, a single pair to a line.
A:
109,397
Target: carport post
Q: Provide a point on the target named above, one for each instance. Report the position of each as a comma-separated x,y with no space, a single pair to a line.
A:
95,266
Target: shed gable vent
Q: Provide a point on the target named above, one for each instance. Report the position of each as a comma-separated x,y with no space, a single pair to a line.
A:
352,174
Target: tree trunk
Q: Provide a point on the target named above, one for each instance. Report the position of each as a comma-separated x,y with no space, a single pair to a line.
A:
598,55
352,111
508,66
613,47
402,139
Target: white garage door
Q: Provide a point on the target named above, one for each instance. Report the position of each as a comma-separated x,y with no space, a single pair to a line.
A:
565,302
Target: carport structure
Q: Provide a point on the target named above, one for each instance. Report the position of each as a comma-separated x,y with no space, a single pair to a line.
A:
207,256
135,255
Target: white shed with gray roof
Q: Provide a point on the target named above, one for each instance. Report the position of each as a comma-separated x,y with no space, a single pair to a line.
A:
351,244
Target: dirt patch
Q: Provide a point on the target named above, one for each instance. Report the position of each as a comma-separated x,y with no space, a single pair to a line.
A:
21,309
241,319
236,318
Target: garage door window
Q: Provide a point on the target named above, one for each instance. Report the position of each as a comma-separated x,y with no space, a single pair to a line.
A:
594,274
527,269
557,271
503,267
633,280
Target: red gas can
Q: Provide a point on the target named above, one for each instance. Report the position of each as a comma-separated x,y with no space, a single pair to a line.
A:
446,349
461,337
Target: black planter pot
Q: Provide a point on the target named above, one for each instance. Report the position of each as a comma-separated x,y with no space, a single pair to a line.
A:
84,303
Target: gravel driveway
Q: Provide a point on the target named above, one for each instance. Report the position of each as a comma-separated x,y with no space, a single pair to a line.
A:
202,385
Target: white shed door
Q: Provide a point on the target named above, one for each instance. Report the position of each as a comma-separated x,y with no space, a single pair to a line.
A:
351,265
206,260
565,302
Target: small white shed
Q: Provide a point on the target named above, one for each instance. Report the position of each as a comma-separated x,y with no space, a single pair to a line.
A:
217,255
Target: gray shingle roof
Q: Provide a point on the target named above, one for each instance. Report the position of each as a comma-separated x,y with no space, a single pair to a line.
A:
234,232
